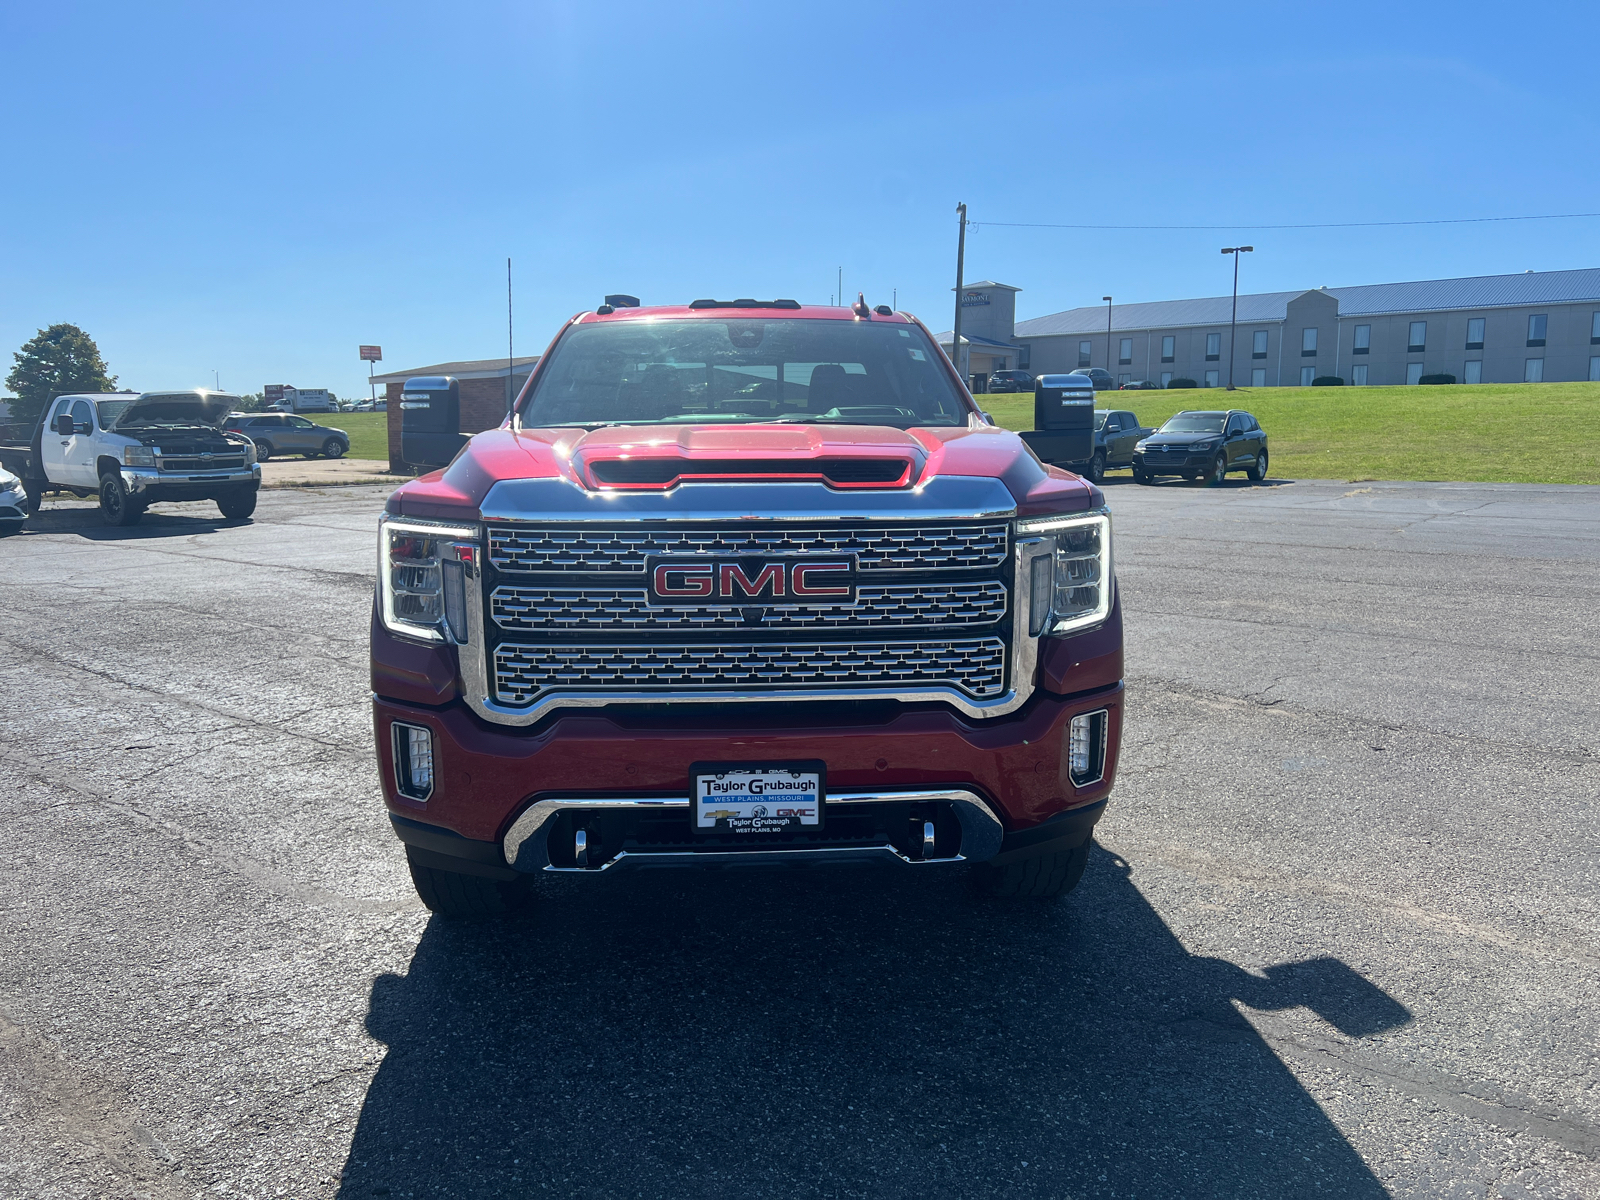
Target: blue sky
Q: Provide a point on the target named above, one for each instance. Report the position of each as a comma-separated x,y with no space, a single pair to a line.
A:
255,189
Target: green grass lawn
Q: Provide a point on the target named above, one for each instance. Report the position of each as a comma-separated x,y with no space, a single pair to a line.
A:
369,432
1491,432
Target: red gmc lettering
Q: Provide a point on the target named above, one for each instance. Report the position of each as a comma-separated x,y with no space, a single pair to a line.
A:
799,587
732,573
692,581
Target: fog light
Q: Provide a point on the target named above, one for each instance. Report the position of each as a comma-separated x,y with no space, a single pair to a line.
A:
413,760
1086,748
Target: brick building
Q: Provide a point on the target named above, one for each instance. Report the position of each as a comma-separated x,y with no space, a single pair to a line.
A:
483,394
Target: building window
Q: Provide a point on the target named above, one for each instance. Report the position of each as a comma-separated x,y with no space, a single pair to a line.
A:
1125,351
1166,378
1475,334
1594,370
1358,375
1024,354
1413,373
1212,378
1533,371
1363,342
1258,344
1473,372
1307,374
1213,347
1085,349
1417,340
1169,346
1308,342
1258,377
1594,330
1536,324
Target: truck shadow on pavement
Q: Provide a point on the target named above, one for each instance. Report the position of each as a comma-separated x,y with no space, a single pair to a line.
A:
838,1034
158,523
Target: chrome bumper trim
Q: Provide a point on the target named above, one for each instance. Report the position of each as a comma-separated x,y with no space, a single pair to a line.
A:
139,479
981,832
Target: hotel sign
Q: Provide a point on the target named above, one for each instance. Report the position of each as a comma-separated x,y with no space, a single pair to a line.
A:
974,299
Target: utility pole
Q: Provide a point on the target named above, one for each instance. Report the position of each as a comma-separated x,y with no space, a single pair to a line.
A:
1107,299
1233,321
841,287
961,254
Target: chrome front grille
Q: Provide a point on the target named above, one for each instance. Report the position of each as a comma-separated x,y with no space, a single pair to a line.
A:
196,464
909,606
625,548
975,666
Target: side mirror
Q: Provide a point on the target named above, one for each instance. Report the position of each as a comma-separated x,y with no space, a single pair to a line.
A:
62,424
989,417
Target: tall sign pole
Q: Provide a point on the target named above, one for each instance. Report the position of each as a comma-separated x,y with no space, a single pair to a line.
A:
961,253
1233,321
370,355
511,356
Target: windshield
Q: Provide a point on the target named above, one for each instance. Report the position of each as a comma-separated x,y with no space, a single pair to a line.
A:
741,371
1195,422
110,410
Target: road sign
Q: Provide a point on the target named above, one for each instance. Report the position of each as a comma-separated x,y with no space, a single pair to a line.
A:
372,354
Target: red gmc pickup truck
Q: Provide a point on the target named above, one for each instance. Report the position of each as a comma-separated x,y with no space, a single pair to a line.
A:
744,583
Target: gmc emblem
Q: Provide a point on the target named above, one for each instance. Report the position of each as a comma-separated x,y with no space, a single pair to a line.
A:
739,581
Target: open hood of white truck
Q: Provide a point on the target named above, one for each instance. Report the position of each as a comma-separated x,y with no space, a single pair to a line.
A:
197,407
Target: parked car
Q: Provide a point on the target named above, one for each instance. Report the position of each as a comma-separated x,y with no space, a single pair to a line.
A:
1140,385
1010,381
1102,379
286,433
14,505
1209,444
372,406
1116,433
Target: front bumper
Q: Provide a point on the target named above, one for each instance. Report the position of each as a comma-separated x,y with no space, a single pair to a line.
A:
149,484
506,801
14,506
1173,462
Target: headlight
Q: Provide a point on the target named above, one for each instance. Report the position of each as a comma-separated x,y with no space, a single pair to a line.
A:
249,452
422,574
1069,586
138,456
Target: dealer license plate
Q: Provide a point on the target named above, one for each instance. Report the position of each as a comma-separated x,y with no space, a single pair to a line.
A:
757,798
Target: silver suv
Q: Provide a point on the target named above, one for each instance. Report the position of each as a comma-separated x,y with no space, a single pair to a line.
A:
285,433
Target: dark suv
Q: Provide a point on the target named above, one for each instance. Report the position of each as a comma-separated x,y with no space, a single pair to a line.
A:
1101,377
1203,444
286,433
1010,381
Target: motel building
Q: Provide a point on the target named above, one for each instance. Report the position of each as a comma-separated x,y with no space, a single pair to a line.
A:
1539,326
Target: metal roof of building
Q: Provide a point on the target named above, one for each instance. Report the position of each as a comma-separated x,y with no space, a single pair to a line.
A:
1431,295
476,368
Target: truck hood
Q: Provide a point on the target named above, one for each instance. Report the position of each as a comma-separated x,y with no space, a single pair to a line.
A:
881,459
178,408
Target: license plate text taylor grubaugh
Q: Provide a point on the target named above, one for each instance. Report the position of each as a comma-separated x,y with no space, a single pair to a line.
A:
757,799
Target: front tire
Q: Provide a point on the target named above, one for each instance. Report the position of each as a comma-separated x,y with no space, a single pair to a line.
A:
464,897
333,448
1258,469
1096,471
35,495
239,505
1218,470
1040,877
116,506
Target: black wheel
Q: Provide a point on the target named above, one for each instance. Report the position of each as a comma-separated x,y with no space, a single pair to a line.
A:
1042,877
333,448
35,496
452,894
1258,470
7,528
1218,470
1096,470
238,505
116,506
264,451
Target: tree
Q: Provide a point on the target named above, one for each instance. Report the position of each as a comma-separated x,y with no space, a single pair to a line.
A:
251,402
58,361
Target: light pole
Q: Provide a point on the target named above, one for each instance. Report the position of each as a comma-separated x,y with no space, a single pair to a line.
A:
1233,321
1107,299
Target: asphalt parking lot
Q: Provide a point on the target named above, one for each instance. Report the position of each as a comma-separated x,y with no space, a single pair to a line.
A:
1340,938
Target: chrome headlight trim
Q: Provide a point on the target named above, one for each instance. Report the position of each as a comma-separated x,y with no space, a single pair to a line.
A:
463,539
1041,533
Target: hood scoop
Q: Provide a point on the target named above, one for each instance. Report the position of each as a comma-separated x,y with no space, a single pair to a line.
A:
661,473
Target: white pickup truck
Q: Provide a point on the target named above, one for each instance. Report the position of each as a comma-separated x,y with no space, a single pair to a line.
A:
133,451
